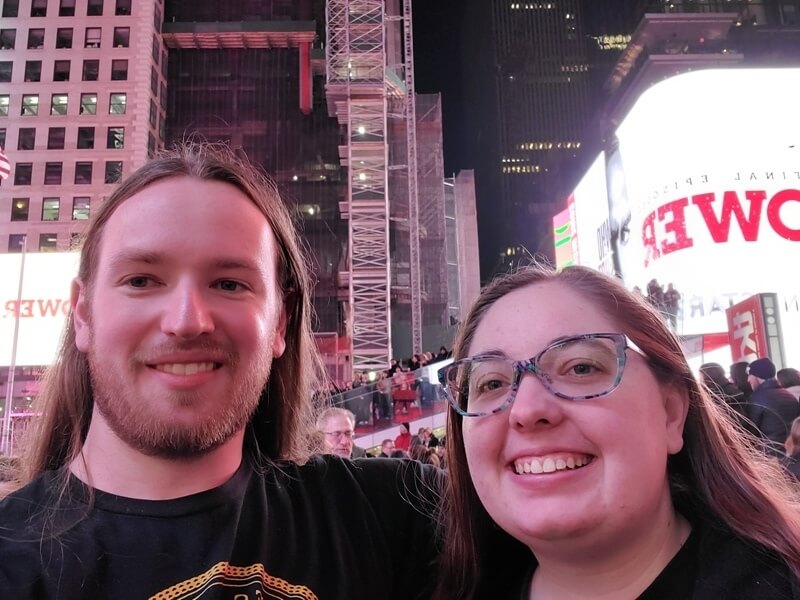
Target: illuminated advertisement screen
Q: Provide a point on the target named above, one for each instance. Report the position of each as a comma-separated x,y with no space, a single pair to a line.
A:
564,237
591,218
40,311
704,190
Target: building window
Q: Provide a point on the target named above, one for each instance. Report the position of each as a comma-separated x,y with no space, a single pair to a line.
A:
8,39
3,105
64,37
19,209
151,145
88,104
61,70
38,8
75,241
122,37
91,70
156,49
15,242
92,39
164,64
164,96
66,8
6,66
113,171
154,81
52,173
80,208
33,70
58,104
123,7
3,137
50,208
117,104
47,242
55,138
10,8
85,138
23,174
30,105
157,19
35,39
119,70
26,139
153,115
83,172
94,8
116,138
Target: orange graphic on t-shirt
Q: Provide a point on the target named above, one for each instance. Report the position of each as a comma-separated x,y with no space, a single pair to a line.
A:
249,582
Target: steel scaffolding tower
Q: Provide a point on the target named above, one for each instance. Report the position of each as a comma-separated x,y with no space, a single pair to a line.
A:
356,92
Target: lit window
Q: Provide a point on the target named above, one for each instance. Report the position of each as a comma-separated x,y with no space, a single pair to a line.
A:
117,104
88,104
58,104
47,242
19,209
30,105
3,105
50,209
80,208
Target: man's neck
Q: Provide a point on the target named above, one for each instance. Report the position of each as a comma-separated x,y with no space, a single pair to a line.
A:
108,464
620,574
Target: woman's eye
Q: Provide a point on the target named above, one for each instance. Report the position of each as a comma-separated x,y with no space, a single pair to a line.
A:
139,281
582,369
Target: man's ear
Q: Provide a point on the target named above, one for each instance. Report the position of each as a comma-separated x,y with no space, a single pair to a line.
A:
79,301
279,339
676,407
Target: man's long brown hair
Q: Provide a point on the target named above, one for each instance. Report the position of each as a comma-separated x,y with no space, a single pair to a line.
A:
719,475
282,424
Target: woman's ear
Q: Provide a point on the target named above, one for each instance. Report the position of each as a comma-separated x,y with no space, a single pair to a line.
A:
676,407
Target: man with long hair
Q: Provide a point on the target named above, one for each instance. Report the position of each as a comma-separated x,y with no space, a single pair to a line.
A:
173,453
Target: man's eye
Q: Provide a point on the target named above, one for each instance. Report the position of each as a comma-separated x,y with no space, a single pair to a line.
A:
227,285
139,281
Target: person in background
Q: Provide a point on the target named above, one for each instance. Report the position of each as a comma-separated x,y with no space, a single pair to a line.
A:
337,426
739,378
173,455
789,379
387,447
792,459
712,375
403,441
585,461
771,408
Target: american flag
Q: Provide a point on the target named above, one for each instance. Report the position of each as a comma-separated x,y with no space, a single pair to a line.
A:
5,166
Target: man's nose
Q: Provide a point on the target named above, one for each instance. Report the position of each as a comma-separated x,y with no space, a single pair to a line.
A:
188,313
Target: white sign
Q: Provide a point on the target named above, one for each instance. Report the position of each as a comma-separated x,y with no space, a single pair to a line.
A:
40,310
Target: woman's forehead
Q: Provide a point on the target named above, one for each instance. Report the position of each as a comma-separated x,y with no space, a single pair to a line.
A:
525,321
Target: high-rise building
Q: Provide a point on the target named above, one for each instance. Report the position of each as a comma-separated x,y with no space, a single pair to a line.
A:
316,93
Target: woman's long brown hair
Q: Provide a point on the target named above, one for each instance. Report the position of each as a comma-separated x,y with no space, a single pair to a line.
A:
720,474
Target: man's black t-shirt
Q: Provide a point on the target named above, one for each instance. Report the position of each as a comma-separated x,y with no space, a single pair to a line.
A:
327,529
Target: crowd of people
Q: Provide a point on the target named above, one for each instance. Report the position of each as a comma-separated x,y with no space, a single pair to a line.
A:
178,451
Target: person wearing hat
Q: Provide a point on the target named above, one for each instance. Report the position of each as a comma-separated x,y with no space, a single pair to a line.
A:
771,408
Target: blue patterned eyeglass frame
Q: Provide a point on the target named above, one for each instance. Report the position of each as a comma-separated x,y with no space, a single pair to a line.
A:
621,343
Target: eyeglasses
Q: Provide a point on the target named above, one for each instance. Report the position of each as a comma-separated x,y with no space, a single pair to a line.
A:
574,368
338,434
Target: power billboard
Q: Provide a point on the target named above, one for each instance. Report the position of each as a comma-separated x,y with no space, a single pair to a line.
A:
703,191
38,309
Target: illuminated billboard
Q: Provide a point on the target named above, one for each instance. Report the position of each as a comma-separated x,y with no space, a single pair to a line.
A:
564,236
591,218
704,190
40,310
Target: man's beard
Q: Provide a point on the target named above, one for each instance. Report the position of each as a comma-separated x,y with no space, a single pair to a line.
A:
135,422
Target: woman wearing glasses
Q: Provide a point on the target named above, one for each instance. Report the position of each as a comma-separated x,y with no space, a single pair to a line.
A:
586,462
